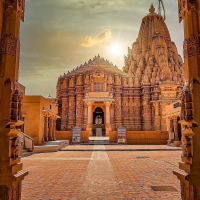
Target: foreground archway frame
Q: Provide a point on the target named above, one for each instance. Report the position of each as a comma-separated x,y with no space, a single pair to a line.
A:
11,94
189,173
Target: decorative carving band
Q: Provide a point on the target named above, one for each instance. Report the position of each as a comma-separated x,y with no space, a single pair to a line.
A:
182,8
16,5
10,45
191,46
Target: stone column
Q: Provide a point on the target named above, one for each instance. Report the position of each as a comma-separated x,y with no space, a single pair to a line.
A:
89,114
43,129
54,129
118,100
11,173
107,112
50,132
112,115
189,173
157,119
108,125
85,121
147,111
64,113
170,129
79,111
137,110
175,124
125,108
72,111
171,125
46,128
130,110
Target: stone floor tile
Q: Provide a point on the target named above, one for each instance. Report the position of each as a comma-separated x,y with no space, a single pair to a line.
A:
113,175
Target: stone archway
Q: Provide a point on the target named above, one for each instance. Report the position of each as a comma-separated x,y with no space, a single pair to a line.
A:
98,116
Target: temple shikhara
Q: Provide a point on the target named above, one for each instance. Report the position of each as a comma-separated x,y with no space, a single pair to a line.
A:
97,96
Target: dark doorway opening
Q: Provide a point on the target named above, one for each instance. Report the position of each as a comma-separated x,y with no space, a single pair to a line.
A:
98,116
98,122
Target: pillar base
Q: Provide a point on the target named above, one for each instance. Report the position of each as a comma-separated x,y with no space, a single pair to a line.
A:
108,129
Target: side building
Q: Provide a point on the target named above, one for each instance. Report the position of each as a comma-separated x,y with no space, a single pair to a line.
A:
39,116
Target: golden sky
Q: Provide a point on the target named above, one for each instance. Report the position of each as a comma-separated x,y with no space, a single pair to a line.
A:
59,35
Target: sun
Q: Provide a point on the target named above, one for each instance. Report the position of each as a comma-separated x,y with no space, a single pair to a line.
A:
115,49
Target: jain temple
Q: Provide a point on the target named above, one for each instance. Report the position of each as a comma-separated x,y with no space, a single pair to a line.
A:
99,98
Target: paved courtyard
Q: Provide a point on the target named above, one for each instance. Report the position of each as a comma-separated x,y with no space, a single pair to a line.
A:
100,174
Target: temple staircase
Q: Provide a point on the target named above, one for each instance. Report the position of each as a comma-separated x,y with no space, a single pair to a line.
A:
103,140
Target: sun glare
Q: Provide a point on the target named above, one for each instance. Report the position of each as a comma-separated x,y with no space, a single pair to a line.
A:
115,49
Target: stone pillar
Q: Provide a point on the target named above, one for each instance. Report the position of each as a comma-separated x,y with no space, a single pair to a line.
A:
175,124
46,128
118,111
85,120
108,112
90,115
189,173
79,111
118,101
137,110
130,110
50,132
157,119
112,114
72,111
125,112
11,173
147,110
64,113
170,130
108,125
43,129
54,129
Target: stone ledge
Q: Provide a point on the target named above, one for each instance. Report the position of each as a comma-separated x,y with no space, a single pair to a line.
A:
51,146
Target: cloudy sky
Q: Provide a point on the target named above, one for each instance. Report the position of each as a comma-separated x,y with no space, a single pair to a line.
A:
59,35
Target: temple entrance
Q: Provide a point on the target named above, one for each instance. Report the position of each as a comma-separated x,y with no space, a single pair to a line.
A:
98,128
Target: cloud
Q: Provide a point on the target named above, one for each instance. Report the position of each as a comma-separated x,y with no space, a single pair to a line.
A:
88,41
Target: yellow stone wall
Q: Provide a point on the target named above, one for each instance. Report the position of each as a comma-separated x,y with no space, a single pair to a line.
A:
142,137
34,119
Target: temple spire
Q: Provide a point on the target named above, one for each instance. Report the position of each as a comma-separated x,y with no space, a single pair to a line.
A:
152,9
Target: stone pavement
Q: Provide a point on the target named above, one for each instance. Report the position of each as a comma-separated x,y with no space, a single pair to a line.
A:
109,175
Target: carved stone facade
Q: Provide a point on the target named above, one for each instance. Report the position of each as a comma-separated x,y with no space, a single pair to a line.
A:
151,78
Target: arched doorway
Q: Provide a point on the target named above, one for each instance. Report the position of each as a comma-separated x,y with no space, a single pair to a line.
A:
98,128
98,116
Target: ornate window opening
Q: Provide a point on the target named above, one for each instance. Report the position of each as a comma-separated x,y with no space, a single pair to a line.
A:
98,87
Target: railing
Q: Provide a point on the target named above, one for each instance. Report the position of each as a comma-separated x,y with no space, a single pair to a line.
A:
27,141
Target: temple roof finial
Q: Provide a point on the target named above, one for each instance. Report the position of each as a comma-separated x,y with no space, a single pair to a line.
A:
152,9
